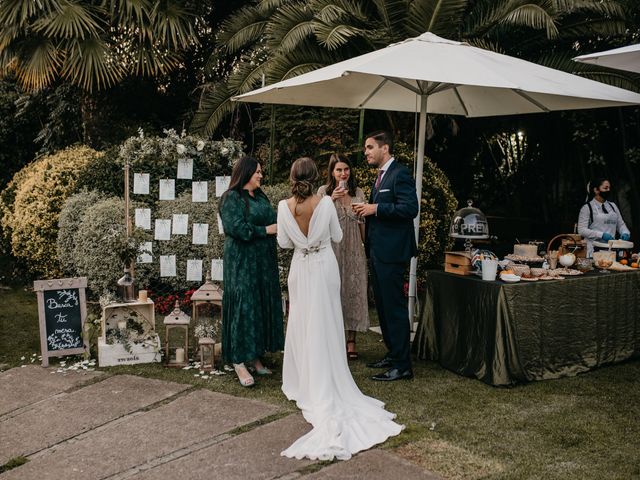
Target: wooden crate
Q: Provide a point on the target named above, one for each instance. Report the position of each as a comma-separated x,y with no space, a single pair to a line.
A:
458,263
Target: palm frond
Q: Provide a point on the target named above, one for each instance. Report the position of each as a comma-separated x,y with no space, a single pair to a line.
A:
242,29
20,12
436,16
37,64
592,28
393,14
71,20
8,34
289,26
88,64
606,8
247,77
336,10
335,36
173,25
532,16
215,105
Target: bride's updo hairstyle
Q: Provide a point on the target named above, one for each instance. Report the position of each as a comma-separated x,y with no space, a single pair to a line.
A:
304,174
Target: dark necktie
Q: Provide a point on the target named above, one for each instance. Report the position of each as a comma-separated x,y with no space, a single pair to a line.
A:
380,172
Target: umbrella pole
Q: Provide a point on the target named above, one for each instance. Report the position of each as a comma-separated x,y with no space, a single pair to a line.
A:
422,130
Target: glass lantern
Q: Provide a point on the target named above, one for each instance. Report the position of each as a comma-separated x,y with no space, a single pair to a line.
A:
177,338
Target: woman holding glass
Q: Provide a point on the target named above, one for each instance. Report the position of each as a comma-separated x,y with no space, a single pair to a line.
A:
341,187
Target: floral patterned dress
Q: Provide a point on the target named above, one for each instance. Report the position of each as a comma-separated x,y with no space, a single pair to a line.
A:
252,301
352,263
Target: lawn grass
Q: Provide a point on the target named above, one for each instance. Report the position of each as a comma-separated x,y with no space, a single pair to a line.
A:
584,427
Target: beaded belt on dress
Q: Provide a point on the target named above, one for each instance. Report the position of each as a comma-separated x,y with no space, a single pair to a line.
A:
310,250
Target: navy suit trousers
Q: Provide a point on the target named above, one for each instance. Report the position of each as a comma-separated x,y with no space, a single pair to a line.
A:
391,305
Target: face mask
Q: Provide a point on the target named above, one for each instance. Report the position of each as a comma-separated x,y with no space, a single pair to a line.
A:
605,195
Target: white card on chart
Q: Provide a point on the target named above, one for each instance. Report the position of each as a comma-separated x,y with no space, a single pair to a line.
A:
163,230
180,224
199,192
200,233
222,184
167,189
167,265
144,253
141,183
185,168
220,227
194,270
143,218
217,269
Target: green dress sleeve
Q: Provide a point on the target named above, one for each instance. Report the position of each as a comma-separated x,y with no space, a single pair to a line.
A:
234,219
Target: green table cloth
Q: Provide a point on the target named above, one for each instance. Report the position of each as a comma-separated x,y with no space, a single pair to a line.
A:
505,333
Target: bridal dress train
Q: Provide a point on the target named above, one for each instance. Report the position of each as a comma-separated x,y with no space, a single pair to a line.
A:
315,372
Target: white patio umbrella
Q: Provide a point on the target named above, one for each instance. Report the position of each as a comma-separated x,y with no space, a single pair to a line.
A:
624,58
431,74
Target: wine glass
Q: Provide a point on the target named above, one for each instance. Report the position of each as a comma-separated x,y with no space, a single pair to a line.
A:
357,201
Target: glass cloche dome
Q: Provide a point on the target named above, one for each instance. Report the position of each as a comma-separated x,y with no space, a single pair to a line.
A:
469,223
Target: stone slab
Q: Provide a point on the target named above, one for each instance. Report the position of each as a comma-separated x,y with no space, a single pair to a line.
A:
63,417
173,429
24,386
251,455
373,465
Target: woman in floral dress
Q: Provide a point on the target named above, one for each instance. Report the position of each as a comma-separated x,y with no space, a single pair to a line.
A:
341,187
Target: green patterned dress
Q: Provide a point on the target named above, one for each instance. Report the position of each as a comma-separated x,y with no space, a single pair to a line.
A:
252,301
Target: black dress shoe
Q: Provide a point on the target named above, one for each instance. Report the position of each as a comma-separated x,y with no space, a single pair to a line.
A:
394,374
384,363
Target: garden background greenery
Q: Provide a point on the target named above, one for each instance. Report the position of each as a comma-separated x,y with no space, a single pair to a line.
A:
88,85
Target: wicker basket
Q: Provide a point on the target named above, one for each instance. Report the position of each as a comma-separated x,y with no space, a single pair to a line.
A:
520,269
538,272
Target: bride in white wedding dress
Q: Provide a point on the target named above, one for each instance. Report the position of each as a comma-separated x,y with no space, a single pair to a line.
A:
315,372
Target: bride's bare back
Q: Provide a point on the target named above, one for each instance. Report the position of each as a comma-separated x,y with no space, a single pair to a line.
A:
303,211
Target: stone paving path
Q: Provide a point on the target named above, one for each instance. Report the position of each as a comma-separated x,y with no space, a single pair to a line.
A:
88,425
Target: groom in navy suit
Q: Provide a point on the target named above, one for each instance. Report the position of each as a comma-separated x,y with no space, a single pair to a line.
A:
390,243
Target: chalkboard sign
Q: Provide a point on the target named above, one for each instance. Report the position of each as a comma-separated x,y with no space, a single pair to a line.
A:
62,310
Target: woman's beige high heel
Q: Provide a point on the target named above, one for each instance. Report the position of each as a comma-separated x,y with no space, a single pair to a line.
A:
244,377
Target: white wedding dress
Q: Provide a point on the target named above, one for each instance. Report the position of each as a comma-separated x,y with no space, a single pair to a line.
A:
315,372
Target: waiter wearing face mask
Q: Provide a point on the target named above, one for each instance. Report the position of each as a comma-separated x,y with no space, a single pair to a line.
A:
599,218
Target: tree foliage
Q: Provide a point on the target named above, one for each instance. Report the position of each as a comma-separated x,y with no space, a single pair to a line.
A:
92,44
278,39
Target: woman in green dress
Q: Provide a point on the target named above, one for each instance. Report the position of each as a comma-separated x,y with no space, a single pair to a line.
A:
252,306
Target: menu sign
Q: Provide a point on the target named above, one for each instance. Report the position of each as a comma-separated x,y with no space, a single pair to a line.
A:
62,311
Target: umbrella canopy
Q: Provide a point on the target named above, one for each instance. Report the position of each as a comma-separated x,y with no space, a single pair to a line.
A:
624,58
458,78
430,74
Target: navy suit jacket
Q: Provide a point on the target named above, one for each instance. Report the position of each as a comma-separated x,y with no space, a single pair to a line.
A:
390,236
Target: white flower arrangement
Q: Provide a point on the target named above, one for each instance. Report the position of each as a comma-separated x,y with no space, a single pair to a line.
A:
204,330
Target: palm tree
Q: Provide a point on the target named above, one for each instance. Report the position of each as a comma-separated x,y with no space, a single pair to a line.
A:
92,44
276,39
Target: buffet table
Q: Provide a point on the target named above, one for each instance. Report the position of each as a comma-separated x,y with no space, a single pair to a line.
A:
504,333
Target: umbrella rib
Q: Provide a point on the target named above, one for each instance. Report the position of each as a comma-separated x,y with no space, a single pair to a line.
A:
405,84
373,92
466,112
535,102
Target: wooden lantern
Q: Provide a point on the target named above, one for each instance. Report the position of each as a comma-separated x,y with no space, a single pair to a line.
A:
206,305
207,353
177,321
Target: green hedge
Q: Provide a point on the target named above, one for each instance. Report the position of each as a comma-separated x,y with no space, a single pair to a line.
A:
32,202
